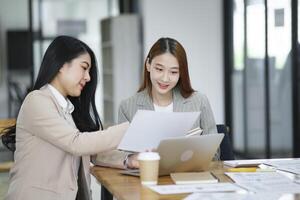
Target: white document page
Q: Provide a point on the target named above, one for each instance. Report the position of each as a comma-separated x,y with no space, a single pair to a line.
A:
233,196
244,163
209,187
253,162
148,128
265,182
291,165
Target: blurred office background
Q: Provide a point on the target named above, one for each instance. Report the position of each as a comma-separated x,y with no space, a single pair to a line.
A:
242,54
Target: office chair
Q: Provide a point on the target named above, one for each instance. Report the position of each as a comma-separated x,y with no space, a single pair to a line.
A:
225,146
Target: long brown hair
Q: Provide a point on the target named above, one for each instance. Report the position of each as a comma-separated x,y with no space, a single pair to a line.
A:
169,45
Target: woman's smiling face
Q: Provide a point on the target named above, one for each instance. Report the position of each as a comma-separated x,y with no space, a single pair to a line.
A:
74,75
164,73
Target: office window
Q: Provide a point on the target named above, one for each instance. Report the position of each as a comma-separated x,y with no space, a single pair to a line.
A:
261,79
237,76
280,79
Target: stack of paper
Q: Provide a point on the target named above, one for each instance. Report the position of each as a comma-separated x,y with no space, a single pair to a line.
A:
273,182
290,165
244,163
256,162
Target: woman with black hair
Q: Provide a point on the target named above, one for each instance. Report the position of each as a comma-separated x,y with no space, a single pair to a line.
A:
58,127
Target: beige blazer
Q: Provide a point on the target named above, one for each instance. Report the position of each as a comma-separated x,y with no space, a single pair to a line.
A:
47,143
142,101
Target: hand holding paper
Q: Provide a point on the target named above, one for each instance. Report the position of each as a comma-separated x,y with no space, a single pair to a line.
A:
148,128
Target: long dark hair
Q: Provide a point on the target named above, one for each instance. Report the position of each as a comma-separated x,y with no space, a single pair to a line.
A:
169,45
64,49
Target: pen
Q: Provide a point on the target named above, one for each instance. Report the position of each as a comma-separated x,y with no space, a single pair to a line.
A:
250,169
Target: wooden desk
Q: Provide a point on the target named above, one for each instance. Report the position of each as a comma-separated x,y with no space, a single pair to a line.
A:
129,188
5,166
125,187
4,123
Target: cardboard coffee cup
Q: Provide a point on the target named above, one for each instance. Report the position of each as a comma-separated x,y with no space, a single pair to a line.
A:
149,164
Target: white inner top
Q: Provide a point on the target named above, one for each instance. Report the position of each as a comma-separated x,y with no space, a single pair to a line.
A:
68,108
168,108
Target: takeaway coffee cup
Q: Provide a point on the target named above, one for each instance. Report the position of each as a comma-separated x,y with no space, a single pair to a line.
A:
149,163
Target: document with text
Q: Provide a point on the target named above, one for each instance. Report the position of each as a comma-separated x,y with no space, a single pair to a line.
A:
233,196
207,187
148,128
265,182
290,165
253,162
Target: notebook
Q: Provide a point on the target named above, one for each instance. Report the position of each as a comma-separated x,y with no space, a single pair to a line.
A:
193,177
185,154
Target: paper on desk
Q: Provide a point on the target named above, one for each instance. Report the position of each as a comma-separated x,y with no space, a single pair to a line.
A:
253,162
244,163
210,187
148,128
290,165
265,182
233,196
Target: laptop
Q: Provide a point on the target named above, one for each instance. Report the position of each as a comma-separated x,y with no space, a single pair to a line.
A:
185,154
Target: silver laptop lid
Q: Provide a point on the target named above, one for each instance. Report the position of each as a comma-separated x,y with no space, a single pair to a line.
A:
186,154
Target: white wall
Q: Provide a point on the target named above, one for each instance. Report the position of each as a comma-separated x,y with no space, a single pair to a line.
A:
13,15
197,25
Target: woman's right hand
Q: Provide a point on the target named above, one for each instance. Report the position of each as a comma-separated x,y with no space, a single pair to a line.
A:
133,162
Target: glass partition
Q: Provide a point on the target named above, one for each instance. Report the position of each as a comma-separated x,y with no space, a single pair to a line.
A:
261,78
280,79
237,76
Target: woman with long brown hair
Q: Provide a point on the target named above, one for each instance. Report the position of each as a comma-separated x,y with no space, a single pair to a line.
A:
166,88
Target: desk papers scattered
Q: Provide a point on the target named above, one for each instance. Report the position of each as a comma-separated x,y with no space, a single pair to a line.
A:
256,162
210,187
148,128
233,196
289,165
244,163
265,182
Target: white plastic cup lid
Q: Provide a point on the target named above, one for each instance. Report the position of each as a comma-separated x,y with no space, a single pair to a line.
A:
148,156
